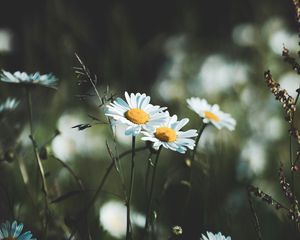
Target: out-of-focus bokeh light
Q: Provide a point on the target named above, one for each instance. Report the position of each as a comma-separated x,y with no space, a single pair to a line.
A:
245,35
218,74
6,38
72,142
278,35
113,218
119,131
282,38
253,159
290,82
170,80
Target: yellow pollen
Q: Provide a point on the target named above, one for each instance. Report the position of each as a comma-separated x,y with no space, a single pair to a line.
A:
212,116
165,134
137,116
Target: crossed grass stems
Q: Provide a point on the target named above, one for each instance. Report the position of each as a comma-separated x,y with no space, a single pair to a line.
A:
289,107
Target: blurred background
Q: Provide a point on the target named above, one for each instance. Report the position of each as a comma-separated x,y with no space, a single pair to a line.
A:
171,50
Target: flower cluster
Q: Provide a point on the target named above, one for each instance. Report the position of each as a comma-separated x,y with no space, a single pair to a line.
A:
158,126
13,232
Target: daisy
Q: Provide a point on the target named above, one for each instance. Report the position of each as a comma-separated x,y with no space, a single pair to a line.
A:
136,113
13,232
9,105
46,80
169,135
211,113
211,236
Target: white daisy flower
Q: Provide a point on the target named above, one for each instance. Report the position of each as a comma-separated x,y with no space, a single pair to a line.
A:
137,113
169,135
9,105
25,79
211,113
13,231
211,236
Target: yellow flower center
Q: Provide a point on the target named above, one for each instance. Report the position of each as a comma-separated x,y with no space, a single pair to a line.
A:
137,116
212,116
165,134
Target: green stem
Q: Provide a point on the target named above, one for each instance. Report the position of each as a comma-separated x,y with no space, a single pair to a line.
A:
104,178
151,191
185,204
254,216
149,163
128,225
73,174
197,141
99,189
38,160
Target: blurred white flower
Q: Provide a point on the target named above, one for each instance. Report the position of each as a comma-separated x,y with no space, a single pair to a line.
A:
72,142
253,158
113,218
272,25
290,82
10,104
218,74
170,80
6,37
175,46
247,95
281,38
265,123
119,130
170,90
274,128
217,236
244,34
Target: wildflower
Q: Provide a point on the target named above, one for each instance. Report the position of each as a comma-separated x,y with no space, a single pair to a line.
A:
211,113
113,218
177,230
13,232
9,105
169,135
211,236
137,113
33,79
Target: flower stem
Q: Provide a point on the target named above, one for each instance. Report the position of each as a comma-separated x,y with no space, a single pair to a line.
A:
38,160
151,191
197,141
254,216
104,178
201,130
73,174
149,164
128,226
